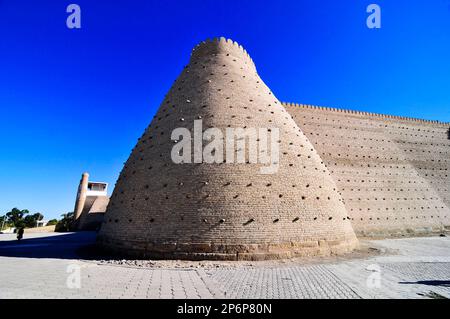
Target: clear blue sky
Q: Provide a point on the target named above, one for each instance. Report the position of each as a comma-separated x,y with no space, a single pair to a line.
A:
77,100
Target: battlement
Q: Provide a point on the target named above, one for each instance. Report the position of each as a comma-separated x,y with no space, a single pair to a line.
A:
349,170
379,115
223,46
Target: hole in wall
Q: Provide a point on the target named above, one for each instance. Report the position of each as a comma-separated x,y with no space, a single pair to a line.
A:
251,220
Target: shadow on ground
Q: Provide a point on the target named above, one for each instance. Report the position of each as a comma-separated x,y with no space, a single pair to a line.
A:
79,245
60,246
440,283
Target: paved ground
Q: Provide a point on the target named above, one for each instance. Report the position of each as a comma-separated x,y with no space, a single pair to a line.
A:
48,266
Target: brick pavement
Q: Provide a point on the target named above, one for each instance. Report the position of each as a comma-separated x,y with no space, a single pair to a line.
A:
410,268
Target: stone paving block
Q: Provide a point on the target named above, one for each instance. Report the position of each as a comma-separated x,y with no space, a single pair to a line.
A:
411,268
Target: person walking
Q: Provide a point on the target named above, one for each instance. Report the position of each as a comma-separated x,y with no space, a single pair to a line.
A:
20,233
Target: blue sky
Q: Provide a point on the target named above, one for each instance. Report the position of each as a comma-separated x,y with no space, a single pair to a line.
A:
77,100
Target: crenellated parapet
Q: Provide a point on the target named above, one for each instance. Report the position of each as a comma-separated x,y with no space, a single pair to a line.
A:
362,113
228,47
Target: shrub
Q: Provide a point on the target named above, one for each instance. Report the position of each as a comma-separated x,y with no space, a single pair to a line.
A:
52,222
65,224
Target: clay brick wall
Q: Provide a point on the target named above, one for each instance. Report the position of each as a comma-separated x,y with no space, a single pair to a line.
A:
393,172
93,213
44,229
222,210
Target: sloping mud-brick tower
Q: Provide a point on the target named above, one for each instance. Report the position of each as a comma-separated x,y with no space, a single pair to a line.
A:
160,209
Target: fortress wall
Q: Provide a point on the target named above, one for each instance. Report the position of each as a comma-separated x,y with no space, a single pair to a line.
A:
393,172
93,212
223,210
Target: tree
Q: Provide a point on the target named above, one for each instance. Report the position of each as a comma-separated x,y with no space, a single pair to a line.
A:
31,220
65,224
4,222
15,217
22,218
38,217
52,222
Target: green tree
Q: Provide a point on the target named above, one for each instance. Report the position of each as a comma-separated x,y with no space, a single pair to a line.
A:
15,217
52,222
4,222
65,224
30,221
22,218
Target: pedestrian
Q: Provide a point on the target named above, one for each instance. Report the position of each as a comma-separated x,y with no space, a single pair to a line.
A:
20,233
